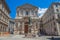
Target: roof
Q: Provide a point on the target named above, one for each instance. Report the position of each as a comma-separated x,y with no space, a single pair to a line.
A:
56,3
27,6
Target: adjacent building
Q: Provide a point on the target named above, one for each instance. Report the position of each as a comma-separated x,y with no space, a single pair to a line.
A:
11,26
27,20
51,19
4,17
41,30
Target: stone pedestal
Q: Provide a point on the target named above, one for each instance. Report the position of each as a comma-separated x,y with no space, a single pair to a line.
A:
29,35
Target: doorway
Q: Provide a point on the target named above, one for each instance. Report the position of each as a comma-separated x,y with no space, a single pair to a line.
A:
26,28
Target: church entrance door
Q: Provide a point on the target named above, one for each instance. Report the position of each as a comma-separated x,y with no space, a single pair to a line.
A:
26,28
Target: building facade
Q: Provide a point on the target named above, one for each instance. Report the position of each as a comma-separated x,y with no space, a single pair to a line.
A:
27,19
11,26
41,30
4,17
51,19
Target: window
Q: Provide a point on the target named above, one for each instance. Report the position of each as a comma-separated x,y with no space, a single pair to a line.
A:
26,12
56,5
58,16
55,29
57,10
17,11
53,17
54,23
51,24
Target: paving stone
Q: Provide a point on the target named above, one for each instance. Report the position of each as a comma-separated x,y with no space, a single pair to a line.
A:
21,37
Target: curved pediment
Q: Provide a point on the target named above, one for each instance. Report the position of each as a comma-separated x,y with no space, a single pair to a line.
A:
27,6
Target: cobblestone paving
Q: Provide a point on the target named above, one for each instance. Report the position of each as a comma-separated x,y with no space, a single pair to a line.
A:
21,37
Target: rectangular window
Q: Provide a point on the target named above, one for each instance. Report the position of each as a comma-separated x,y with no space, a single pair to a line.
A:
53,17
56,5
54,23
26,12
58,16
57,10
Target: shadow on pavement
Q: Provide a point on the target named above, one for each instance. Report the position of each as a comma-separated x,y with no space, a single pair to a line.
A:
52,38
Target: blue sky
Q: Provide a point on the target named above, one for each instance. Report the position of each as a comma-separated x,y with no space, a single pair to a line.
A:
41,4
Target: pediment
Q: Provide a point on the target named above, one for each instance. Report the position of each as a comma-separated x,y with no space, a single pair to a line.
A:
27,6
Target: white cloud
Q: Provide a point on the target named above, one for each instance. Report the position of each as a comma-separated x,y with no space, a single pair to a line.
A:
41,11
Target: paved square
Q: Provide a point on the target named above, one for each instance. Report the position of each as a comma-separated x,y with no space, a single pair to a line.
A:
21,37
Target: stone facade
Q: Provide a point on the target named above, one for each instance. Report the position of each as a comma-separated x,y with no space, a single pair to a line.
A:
51,20
4,17
11,26
27,19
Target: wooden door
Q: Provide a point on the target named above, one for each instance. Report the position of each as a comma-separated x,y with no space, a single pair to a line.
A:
26,29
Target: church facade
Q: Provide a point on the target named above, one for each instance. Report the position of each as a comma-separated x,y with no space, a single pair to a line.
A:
27,20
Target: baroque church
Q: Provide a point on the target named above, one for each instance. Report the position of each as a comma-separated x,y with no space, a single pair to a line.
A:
27,20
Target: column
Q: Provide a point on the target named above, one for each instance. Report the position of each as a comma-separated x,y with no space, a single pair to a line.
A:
23,27
18,28
34,14
2,29
30,13
58,28
38,27
35,27
24,13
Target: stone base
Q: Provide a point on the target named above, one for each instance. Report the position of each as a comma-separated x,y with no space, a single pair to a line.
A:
29,35
4,34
